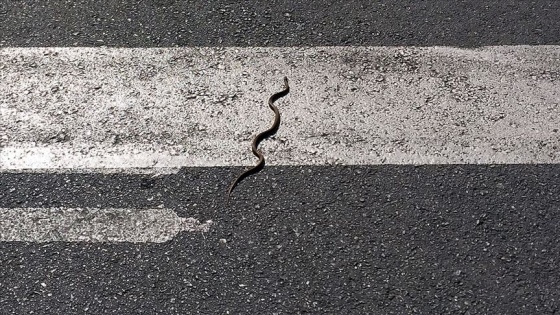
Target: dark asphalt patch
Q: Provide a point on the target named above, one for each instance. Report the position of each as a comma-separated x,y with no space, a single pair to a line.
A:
361,239
273,23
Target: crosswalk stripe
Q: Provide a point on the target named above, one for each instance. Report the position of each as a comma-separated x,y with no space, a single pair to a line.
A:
109,108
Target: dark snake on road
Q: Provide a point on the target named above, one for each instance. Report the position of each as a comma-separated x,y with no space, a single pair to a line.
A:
258,138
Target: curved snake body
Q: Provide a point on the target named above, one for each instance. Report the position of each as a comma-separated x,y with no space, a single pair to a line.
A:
261,136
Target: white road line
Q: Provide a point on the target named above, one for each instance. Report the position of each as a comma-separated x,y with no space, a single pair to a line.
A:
94,225
113,108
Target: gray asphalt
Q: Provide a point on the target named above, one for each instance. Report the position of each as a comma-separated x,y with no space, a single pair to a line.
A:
165,23
341,240
338,240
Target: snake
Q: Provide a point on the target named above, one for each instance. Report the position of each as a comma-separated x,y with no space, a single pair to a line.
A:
261,136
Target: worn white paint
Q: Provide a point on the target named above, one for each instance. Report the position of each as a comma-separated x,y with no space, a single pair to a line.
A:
94,225
113,108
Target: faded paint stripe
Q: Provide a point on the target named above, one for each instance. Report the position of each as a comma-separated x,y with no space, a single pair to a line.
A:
94,225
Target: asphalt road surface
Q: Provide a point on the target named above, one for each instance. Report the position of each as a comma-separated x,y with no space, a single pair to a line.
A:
378,235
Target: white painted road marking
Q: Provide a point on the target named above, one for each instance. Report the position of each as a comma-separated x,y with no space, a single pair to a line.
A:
94,225
117,108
